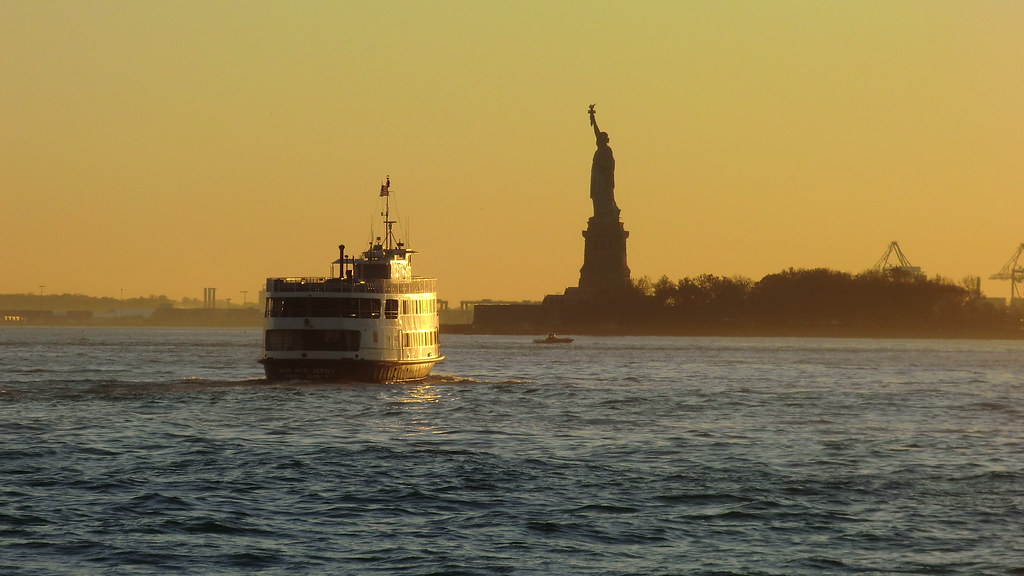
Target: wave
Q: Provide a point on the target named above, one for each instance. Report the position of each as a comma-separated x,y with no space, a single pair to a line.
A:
85,387
454,379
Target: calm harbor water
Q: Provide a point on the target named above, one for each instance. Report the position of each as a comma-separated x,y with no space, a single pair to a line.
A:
131,451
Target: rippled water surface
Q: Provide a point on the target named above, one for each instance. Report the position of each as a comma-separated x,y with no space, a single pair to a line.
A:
127,451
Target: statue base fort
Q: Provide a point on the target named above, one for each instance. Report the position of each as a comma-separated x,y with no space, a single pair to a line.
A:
595,306
604,274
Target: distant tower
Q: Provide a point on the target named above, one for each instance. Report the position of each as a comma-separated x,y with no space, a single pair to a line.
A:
209,298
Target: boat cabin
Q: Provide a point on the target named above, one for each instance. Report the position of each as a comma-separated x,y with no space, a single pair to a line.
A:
377,263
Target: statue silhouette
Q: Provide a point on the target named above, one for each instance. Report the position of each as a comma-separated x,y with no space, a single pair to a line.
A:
602,176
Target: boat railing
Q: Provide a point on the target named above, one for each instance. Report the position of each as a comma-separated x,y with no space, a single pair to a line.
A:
349,286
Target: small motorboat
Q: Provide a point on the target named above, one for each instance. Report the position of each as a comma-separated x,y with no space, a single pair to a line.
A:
552,339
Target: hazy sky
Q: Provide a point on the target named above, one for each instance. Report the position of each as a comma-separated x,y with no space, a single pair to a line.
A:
162,147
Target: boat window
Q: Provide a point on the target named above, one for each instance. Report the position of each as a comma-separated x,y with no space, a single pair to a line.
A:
369,308
391,309
308,307
325,307
312,340
294,307
374,271
418,338
349,307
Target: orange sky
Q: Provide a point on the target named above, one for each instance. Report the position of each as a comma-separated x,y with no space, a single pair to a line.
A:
162,147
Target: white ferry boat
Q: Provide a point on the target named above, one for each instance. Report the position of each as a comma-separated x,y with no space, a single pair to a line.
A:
370,321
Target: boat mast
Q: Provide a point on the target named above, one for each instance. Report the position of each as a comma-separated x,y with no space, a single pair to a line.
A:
385,191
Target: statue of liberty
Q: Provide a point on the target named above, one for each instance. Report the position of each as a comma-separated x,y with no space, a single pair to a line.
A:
602,176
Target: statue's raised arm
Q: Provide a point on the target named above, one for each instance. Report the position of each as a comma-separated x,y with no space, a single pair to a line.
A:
593,120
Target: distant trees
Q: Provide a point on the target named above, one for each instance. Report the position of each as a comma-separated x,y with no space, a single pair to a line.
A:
824,301
63,302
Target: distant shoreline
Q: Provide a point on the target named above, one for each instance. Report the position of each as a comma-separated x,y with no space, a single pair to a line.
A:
470,330
163,318
894,334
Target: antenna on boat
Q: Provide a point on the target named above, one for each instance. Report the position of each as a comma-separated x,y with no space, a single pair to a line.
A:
385,191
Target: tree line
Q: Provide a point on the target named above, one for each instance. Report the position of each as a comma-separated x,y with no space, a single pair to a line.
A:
825,301
62,302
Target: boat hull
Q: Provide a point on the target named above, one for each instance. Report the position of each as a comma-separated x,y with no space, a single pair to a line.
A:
347,369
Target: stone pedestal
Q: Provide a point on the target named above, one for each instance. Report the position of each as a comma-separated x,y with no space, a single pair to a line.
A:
604,273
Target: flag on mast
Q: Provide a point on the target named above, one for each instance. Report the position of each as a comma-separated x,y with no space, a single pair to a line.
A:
384,187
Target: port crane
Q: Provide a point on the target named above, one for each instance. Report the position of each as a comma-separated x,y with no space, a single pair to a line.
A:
902,264
1014,272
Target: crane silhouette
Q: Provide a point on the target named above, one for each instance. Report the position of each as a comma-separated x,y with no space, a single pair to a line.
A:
1013,271
903,265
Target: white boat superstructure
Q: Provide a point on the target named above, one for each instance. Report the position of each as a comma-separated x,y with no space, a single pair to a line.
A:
372,321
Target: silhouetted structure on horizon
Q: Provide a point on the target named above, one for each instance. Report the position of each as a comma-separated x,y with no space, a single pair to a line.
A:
1013,271
889,301
604,277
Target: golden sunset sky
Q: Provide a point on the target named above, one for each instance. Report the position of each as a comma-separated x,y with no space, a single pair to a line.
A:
163,147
